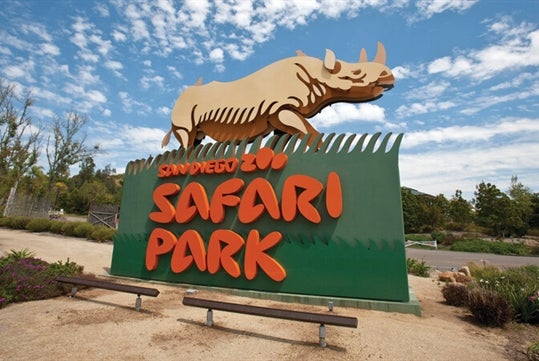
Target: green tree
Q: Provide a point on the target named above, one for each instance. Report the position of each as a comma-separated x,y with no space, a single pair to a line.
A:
66,146
522,199
495,211
411,211
534,218
19,137
460,211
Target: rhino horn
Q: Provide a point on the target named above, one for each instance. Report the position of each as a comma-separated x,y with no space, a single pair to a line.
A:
363,56
329,61
380,54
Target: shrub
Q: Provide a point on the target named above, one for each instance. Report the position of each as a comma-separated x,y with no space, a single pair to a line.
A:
68,228
29,278
56,226
14,256
83,229
496,247
455,294
489,308
18,222
518,286
101,233
39,225
418,268
533,351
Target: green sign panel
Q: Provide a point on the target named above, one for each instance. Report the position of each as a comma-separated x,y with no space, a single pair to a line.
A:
283,217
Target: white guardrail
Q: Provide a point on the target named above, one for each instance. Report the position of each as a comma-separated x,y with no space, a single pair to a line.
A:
433,244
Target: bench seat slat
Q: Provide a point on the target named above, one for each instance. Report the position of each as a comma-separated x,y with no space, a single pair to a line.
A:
303,316
109,285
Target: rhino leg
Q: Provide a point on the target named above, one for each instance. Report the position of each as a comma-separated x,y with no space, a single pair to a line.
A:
183,137
291,122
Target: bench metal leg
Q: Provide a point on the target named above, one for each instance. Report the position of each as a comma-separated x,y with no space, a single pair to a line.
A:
209,318
73,291
138,303
322,334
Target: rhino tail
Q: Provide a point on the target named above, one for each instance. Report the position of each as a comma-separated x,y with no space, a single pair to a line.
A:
166,139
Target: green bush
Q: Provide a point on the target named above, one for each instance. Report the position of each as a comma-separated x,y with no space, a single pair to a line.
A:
455,294
83,230
68,228
29,278
39,225
15,256
445,238
496,247
489,308
18,222
418,268
101,233
518,286
418,237
56,226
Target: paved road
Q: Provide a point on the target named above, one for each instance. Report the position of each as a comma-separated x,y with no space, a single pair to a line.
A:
444,260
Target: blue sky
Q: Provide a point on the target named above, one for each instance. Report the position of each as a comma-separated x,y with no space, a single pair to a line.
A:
466,96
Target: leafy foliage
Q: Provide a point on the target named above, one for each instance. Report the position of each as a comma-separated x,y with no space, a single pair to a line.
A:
455,294
29,278
518,286
489,308
496,247
418,268
19,137
71,229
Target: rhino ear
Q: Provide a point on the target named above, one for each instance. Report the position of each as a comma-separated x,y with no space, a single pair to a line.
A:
300,53
329,61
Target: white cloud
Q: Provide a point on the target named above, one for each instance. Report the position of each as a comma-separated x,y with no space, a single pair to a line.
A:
23,71
471,133
148,81
102,10
129,104
401,72
465,166
432,90
95,96
340,113
517,48
115,66
423,108
50,49
428,8
217,55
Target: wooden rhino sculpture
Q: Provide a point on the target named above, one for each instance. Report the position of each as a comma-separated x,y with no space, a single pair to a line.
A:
279,97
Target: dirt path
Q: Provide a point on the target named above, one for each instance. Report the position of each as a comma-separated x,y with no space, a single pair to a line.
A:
102,325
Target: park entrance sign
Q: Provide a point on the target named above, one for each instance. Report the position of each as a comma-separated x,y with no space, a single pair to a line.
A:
301,213
278,218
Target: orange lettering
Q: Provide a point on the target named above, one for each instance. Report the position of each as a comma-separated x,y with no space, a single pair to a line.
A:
181,260
166,209
255,256
224,195
292,201
249,211
248,163
160,242
334,195
264,157
218,256
193,199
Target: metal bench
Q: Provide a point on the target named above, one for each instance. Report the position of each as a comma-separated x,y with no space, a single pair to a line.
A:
138,290
321,318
